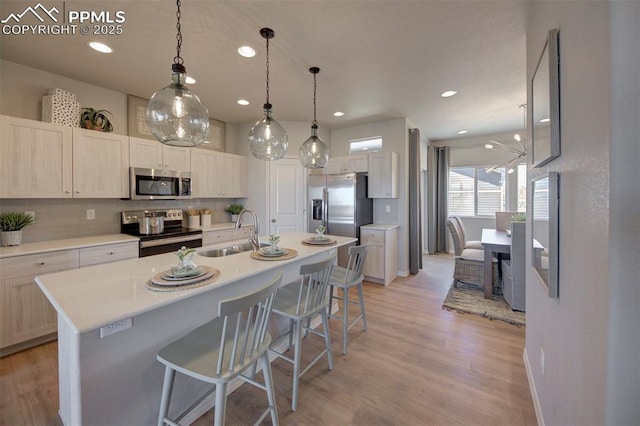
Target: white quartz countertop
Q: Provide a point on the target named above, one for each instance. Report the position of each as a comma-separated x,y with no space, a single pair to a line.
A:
91,297
66,244
381,226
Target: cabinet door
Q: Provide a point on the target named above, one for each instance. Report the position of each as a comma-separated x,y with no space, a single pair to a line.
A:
145,153
334,166
374,263
35,159
356,163
383,177
233,176
204,174
25,311
100,165
176,158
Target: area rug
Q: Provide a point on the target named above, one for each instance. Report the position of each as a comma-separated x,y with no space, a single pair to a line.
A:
469,299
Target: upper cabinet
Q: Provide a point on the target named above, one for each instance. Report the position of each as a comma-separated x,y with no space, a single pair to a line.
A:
152,154
347,164
218,174
383,175
35,159
100,164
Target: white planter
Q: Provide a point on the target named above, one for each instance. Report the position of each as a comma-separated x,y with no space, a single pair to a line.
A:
205,220
234,218
11,238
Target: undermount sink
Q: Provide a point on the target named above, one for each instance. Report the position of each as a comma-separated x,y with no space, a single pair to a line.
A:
227,251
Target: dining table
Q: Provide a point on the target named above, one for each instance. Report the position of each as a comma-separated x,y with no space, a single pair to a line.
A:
493,241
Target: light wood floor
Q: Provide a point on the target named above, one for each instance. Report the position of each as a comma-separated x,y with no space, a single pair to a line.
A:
417,364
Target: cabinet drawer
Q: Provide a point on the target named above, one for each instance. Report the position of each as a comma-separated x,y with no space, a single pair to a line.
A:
108,253
213,237
371,236
38,264
243,232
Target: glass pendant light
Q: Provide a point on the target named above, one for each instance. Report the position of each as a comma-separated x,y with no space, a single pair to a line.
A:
314,153
175,115
267,139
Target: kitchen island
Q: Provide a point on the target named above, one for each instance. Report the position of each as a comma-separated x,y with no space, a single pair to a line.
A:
116,379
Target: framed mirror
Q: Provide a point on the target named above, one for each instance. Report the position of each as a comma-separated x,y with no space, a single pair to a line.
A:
545,232
545,104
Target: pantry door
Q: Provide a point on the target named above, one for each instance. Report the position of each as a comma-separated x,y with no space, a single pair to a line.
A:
287,196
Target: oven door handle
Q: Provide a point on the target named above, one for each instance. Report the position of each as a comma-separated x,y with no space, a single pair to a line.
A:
171,240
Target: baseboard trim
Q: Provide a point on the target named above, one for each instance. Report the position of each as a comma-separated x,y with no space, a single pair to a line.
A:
532,389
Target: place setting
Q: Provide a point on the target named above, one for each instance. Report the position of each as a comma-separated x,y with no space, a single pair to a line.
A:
319,239
185,275
273,252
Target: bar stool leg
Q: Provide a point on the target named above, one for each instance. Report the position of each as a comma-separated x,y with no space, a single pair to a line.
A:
167,389
345,319
268,381
297,353
327,337
362,311
221,404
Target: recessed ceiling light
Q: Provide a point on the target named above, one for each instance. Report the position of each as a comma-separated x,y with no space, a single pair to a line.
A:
463,132
448,93
246,51
100,47
243,102
338,114
190,80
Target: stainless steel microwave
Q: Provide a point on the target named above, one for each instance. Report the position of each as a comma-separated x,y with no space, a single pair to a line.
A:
159,184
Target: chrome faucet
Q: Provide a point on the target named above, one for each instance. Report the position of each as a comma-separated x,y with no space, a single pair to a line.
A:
254,237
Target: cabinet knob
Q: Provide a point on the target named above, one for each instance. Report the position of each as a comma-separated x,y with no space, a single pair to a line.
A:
110,253
42,263
77,192
67,192
273,221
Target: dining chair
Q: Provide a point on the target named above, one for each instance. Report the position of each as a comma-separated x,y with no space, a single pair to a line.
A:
345,279
300,301
472,244
222,350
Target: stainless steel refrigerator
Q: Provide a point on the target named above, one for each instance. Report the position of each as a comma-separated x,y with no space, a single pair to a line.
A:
340,203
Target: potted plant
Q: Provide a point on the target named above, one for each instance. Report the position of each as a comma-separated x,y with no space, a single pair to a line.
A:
235,210
11,224
93,119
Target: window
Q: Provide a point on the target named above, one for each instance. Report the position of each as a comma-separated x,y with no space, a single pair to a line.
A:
476,192
522,187
360,146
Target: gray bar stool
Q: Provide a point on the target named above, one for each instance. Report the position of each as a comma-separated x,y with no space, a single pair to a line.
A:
221,350
346,278
300,301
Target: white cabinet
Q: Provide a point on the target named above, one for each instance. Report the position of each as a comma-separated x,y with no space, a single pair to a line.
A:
152,154
383,175
218,174
348,164
25,312
100,164
108,253
381,264
209,238
35,158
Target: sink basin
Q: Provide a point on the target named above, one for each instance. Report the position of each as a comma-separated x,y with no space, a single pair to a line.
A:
218,252
227,251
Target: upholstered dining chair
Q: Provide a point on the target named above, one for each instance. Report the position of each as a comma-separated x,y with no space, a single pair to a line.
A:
469,263
300,301
472,244
345,279
222,350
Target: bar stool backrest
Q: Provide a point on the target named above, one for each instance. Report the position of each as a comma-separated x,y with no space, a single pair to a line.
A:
357,256
312,295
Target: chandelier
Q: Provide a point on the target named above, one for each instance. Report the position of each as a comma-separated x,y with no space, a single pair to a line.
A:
519,151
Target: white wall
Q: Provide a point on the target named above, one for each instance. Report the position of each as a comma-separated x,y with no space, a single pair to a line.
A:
22,89
395,137
579,331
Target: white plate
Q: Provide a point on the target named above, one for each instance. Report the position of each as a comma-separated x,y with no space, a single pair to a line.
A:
198,272
268,253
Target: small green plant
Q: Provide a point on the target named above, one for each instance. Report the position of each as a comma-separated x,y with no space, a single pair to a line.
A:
520,217
14,221
95,119
234,208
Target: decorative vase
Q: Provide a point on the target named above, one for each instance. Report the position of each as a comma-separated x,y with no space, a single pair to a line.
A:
234,218
11,238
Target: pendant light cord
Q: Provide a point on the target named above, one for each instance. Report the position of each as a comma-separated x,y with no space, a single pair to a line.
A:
268,75
315,86
178,59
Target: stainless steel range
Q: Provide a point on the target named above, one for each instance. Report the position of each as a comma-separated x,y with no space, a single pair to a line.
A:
160,231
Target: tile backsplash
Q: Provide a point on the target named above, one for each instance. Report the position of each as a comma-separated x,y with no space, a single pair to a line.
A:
67,218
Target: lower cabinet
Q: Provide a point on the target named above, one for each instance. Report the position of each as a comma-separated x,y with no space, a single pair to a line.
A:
381,264
26,312
26,316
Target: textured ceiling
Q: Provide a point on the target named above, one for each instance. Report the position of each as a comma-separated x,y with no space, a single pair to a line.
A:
378,59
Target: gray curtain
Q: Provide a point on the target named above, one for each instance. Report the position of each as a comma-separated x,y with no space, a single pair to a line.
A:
438,183
415,203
